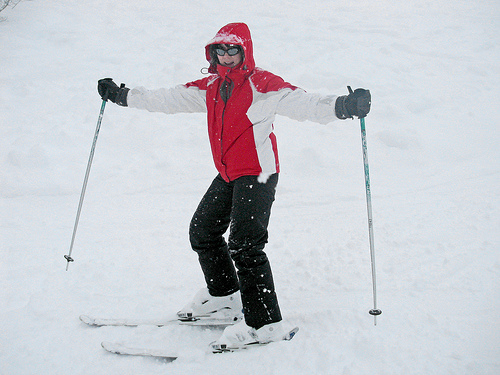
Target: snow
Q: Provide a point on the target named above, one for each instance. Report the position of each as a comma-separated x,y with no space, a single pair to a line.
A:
432,68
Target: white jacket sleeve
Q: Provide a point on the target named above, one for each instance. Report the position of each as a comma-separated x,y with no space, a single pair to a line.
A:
300,105
179,99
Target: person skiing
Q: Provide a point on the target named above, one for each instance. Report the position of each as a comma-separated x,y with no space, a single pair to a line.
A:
241,102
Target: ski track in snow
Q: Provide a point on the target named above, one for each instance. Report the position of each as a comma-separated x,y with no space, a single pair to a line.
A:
432,68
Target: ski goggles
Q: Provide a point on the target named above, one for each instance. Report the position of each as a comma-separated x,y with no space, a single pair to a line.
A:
231,51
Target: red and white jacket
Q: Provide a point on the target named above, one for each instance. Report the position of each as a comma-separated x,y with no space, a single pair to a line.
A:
241,128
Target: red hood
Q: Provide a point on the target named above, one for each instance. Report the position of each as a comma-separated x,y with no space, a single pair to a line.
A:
234,33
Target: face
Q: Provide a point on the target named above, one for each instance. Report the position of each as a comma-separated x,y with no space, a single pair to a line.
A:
226,59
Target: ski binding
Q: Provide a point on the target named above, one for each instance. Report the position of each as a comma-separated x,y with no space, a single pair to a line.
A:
224,349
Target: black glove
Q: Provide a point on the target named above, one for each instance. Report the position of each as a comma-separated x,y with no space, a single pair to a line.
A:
357,103
109,90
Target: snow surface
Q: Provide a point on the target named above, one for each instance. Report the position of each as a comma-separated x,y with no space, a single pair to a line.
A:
432,68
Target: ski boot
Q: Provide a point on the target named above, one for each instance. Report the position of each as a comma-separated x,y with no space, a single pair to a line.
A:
225,310
241,336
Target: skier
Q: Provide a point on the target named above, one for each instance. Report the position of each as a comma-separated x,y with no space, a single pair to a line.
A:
241,101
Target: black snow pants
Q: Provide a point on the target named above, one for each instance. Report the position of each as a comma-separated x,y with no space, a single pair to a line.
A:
243,206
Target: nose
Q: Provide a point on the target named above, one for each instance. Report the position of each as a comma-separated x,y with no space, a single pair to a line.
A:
225,58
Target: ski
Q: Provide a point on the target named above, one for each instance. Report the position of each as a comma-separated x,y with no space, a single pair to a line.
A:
121,349
117,348
100,322
191,321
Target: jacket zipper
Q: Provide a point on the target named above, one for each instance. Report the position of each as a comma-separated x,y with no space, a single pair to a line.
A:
221,147
227,82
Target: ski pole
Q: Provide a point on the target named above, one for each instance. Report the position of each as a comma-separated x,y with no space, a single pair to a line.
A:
373,311
85,180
